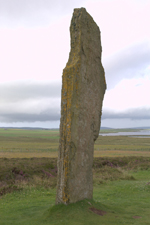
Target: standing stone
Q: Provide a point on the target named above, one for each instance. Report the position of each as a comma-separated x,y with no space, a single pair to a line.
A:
83,88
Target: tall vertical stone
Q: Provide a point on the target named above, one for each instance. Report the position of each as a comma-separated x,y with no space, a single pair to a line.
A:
83,88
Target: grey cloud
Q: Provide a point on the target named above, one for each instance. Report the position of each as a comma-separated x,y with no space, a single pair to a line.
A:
34,12
53,114
23,102
133,114
19,91
29,102
47,115
126,64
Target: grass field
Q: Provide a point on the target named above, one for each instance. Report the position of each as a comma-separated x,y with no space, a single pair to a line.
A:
28,174
16,143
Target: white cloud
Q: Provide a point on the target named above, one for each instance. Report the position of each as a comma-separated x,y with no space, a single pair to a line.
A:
122,22
128,63
38,54
26,90
128,94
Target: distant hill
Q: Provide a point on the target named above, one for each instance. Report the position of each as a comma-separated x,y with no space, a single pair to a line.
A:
106,128
29,128
102,128
142,128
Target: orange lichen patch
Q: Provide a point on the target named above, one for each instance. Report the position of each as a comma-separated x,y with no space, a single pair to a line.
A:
69,90
65,188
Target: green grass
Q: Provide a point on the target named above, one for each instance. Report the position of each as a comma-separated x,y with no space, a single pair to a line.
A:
120,130
123,201
25,143
26,207
122,146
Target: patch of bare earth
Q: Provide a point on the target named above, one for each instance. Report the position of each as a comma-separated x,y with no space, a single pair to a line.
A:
97,211
137,217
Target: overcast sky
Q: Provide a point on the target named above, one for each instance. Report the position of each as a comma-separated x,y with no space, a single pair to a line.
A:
34,49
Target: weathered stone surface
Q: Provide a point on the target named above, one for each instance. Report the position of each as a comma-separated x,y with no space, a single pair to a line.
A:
83,88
